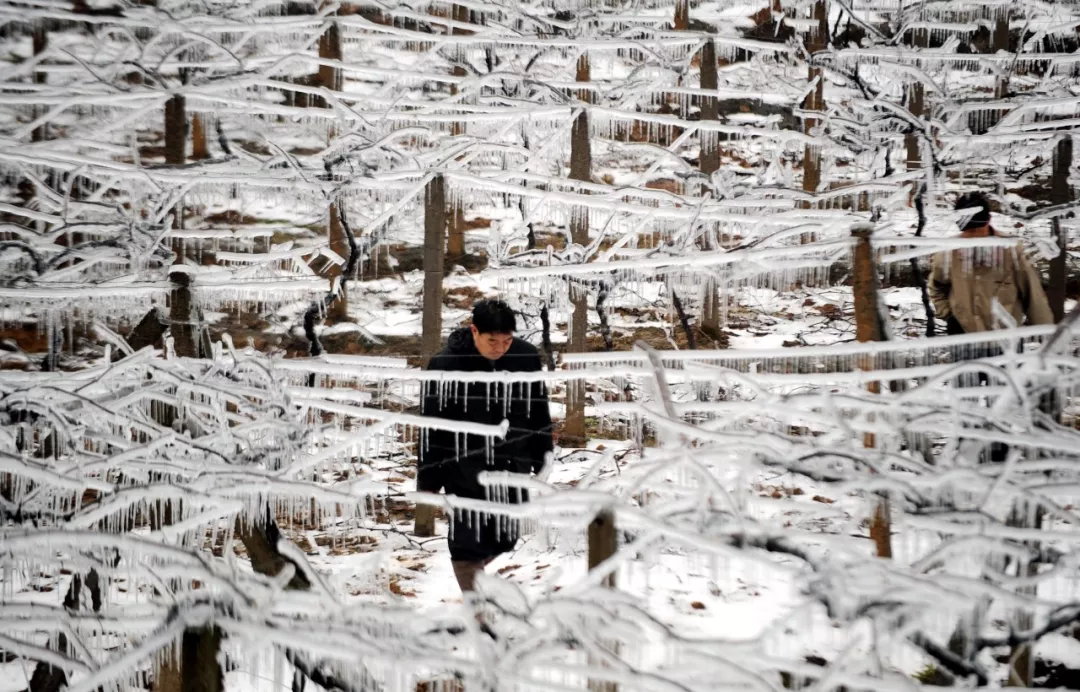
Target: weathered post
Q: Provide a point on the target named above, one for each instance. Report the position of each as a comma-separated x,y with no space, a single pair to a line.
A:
424,521
434,233
603,542
1060,193
200,149
183,315
176,154
708,163
870,326
329,77
1022,654
580,169
817,40
40,43
176,130
1001,43
455,221
709,160
682,15
916,103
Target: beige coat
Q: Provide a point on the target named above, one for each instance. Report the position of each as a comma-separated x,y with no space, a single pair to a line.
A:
963,284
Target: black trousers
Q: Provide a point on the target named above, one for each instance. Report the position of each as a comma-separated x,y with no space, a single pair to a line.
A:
998,451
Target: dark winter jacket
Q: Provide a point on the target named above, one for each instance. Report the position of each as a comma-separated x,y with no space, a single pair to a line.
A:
453,462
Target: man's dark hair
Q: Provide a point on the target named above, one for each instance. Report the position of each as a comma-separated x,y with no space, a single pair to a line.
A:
493,317
974,200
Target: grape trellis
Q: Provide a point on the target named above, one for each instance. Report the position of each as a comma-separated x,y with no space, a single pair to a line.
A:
174,170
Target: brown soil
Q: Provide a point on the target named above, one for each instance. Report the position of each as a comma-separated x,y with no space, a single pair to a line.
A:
230,217
463,297
410,258
668,184
26,336
654,336
556,240
306,151
478,222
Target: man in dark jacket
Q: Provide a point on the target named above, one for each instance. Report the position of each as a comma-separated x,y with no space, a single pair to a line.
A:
452,462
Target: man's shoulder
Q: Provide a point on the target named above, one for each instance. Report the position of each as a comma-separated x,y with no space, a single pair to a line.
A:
442,359
523,355
522,347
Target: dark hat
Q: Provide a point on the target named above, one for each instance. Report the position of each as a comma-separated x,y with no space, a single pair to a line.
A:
974,200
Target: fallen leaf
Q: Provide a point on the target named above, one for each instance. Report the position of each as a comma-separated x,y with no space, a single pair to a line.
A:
395,588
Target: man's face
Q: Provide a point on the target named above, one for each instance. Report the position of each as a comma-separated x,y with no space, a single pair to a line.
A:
492,346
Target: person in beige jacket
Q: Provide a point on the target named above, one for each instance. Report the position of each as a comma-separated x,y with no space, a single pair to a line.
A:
964,283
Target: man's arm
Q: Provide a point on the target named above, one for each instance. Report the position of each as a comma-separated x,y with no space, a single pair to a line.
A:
433,443
940,286
540,418
1032,296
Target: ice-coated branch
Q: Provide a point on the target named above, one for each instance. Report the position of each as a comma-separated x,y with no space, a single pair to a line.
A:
916,270
319,307
951,662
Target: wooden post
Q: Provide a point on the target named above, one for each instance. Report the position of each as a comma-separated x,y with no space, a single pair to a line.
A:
40,44
580,145
175,130
199,148
1001,43
455,222
711,309
182,316
200,668
193,665
708,163
148,331
261,543
458,13
1022,655
580,169
870,326
817,40
176,155
916,102
603,542
424,521
710,110
1060,193
916,106
329,76
682,15
50,678
979,122
434,233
